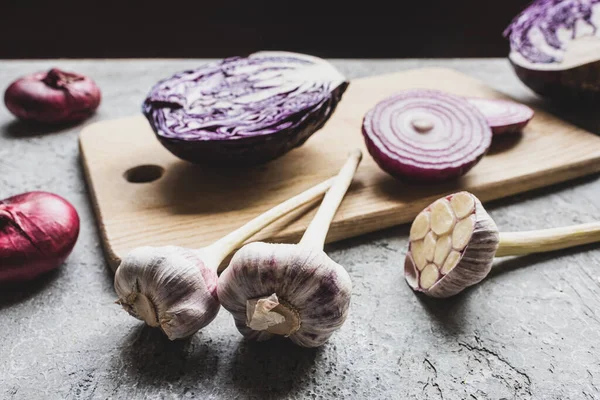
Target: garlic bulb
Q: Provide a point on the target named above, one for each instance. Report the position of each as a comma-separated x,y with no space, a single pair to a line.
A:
174,288
453,243
452,246
295,291
285,289
168,287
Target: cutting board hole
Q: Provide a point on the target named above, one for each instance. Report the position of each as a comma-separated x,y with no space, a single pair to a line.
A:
144,173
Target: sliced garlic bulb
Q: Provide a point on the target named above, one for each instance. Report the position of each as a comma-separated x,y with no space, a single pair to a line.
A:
465,241
462,256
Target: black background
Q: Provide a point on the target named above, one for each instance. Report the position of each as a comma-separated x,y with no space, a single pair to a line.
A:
365,29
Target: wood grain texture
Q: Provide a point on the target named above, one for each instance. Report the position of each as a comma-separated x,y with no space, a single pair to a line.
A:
193,206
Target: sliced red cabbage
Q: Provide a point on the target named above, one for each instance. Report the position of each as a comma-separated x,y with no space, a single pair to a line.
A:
244,110
555,48
503,116
426,135
544,30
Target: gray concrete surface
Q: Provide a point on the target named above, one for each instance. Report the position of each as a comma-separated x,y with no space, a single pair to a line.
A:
529,331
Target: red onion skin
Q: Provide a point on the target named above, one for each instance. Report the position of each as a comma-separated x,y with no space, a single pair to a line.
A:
53,97
38,231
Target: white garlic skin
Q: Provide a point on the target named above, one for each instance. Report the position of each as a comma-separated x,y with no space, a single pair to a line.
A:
317,288
180,288
475,262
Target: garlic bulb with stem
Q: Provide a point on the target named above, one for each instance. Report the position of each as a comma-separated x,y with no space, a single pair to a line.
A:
453,243
292,290
175,288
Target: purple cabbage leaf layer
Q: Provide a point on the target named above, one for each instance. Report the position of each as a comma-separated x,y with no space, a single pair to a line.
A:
536,32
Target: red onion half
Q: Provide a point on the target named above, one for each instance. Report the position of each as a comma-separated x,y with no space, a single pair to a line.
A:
53,97
426,135
503,116
38,231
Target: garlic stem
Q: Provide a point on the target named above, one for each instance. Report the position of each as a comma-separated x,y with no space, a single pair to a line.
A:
316,233
214,254
519,243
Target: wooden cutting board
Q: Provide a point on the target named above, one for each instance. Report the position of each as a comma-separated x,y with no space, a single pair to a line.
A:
192,206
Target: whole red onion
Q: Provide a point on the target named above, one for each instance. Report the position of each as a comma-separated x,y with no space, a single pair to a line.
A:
53,97
38,231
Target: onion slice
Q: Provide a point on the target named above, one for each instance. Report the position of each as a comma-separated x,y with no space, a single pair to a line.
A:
426,135
503,116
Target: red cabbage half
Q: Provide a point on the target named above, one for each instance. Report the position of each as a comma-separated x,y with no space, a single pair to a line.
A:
244,110
555,48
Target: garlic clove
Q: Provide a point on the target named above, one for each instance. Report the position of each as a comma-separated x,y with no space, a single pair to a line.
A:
442,217
463,204
462,257
429,246
419,254
161,286
451,262
442,249
429,276
462,233
420,226
312,291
